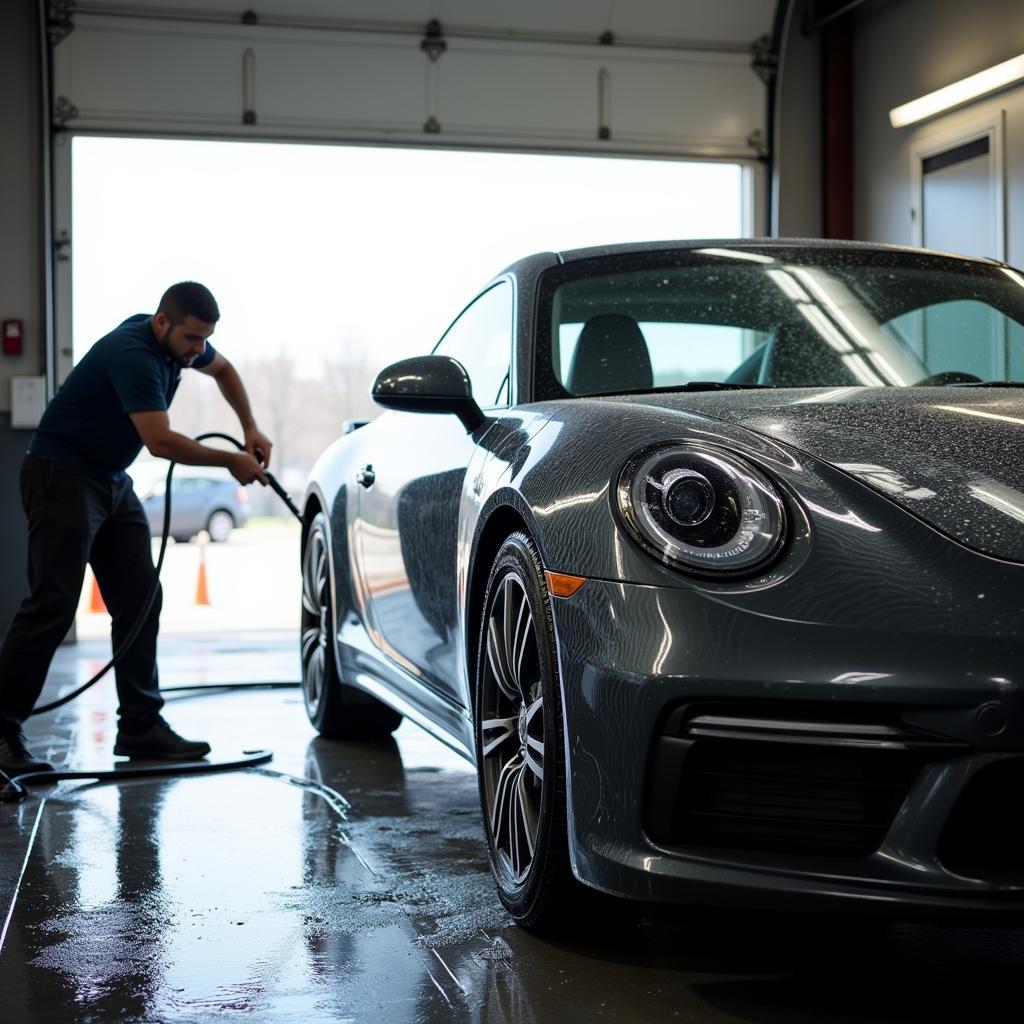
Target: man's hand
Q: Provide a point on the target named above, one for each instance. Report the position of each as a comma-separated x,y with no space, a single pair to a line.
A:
257,441
245,469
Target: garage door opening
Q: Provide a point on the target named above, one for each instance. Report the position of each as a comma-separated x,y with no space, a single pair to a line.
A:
328,262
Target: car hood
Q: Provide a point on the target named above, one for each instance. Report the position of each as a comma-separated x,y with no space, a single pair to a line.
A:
952,456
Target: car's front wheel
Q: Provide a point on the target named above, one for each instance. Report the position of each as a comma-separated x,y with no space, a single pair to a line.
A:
520,754
336,710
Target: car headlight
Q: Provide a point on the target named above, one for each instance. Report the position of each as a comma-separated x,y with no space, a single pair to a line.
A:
701,509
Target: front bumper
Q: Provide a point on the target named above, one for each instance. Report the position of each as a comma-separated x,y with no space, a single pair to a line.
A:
636,660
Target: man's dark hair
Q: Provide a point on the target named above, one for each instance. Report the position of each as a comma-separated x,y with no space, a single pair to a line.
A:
189,298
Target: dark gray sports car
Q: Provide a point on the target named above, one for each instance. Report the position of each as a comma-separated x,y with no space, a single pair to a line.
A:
712,561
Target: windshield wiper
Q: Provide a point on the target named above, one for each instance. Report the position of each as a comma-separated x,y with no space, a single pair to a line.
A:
690,385
714,385
989,384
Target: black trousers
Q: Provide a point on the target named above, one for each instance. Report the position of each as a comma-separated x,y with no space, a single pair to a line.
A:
74,519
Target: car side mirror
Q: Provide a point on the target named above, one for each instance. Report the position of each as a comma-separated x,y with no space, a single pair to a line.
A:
431,384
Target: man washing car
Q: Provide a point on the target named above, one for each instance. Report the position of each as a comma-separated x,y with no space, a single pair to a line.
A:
82,509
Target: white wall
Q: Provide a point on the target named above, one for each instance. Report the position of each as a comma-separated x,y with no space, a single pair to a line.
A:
903,50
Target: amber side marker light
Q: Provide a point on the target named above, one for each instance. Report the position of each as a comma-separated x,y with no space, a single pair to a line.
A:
561,584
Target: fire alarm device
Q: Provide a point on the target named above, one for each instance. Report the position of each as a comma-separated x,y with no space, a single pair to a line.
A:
14,337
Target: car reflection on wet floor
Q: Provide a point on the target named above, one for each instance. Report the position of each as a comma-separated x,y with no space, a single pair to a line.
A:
350,881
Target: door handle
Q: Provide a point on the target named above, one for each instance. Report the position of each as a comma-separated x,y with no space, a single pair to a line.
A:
366,476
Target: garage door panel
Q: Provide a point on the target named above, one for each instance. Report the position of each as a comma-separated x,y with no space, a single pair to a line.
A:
716,101
701,103
184,77
724,21
736,21
365,83
530,16
483,91
137,72
268,11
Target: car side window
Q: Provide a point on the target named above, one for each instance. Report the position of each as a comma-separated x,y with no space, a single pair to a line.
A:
481,339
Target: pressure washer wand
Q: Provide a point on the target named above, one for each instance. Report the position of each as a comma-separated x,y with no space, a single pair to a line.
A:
283,495
271,479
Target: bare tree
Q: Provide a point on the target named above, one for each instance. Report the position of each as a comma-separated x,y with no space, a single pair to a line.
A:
347,380
302,415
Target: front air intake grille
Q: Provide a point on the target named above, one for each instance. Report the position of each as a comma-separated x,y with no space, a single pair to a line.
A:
781,777
984,836
766,796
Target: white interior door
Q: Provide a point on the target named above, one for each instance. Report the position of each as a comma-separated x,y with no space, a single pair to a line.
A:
958,200
959,188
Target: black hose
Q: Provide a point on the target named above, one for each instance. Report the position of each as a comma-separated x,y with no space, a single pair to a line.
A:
194,689
12,788
13,791
148,604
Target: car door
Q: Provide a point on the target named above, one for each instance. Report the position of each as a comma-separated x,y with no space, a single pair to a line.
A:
408,505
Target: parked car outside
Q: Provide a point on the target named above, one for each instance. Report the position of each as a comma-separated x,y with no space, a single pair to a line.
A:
711,560
199,501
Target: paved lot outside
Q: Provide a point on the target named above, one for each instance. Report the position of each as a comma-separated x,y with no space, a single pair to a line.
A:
253,582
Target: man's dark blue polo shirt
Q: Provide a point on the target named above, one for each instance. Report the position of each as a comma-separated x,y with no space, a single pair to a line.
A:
87,424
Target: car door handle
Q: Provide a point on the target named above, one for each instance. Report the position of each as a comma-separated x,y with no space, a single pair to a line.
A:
366,476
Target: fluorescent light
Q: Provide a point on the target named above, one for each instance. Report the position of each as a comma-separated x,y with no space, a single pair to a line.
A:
953,95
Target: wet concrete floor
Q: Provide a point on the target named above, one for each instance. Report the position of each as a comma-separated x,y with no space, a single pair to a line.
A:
348,882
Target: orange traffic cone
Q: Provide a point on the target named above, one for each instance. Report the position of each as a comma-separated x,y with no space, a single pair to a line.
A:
202,593
96,603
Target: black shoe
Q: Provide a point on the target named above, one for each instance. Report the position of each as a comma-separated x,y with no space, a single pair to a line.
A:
159,742
16,758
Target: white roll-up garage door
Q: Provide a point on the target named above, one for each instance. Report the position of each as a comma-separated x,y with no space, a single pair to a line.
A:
673,79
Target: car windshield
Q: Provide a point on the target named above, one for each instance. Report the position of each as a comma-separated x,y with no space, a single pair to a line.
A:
782,317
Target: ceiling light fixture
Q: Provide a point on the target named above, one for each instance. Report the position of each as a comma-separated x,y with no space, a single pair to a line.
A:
970,88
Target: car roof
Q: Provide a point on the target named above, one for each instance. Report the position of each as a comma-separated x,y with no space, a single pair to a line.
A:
535,261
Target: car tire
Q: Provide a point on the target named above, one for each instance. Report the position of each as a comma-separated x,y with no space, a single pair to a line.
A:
336,711
519,745
219,525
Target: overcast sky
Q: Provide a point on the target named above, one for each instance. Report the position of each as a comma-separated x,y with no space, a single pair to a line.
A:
317,249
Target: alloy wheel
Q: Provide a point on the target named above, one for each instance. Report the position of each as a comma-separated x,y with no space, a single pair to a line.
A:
315,619
512,729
